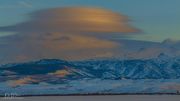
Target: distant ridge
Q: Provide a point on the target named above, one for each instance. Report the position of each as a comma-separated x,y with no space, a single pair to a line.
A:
162,67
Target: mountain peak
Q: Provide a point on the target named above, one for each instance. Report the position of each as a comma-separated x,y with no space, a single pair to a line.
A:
50,61
170,41
163,57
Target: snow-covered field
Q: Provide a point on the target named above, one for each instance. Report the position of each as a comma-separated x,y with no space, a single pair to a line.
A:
98,98
91,86
60,77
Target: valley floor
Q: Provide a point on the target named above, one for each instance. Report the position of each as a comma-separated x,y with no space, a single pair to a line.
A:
97,98
91,86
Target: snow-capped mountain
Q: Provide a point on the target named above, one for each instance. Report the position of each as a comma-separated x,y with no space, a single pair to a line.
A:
161,74
162,67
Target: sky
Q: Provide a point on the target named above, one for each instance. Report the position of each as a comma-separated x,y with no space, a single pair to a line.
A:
86,29
158,20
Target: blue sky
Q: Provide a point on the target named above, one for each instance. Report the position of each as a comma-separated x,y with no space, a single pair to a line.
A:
158,19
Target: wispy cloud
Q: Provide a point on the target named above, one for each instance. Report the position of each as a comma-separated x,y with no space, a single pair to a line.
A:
18,4
25,3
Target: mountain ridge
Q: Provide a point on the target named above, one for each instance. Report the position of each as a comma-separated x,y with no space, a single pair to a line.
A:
162,67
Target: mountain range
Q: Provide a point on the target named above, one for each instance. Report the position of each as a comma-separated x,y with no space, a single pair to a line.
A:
156,75
162,67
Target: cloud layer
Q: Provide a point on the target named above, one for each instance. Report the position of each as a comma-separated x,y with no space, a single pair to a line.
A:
66,33
74,19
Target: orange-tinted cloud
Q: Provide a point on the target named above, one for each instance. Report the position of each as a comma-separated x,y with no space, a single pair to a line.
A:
22,81
66,33
60,73
70,47
75,20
